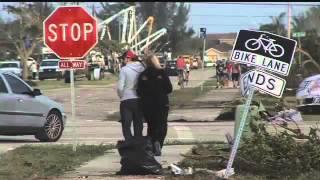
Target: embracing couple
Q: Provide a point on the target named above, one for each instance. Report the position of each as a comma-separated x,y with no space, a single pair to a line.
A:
143,88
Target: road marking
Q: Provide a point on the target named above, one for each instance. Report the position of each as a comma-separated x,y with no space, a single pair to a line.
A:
183,132
93,120
117,138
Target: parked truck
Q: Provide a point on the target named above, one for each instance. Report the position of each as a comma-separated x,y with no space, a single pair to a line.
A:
96,65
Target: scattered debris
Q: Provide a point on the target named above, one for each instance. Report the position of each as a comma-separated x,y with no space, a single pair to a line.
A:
175,170
223,173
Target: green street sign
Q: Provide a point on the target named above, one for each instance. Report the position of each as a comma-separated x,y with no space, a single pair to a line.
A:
299,34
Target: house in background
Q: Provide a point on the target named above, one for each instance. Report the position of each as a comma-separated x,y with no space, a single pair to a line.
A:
219,52
219,46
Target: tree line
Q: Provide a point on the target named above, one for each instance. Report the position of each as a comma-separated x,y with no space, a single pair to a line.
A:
307,22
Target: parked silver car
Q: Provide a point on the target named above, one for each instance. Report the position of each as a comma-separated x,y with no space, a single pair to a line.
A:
25,111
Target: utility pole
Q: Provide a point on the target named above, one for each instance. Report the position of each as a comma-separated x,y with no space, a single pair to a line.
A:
289,20
299,42
93,10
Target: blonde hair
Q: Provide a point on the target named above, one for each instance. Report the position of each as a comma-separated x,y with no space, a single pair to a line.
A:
153,61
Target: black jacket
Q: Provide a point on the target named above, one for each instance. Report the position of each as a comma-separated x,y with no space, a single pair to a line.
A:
153,88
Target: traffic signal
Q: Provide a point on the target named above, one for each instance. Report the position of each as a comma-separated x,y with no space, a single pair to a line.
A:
203,32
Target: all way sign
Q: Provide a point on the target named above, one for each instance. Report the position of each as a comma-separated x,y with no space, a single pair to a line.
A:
264,82
263,49
63,64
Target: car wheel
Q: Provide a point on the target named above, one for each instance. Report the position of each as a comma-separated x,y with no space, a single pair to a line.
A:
52,129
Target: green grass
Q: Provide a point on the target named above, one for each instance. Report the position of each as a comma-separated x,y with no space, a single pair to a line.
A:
184,96
54,84
30,162
177,142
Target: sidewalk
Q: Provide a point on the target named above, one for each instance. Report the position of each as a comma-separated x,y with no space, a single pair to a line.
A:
109,164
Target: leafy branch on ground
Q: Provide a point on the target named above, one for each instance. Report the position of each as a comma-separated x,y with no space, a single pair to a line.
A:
286,153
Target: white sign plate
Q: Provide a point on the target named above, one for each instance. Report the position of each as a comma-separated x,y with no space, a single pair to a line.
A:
264,82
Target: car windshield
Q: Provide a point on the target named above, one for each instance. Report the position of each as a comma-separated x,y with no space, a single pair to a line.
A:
9,65
49,63
50,56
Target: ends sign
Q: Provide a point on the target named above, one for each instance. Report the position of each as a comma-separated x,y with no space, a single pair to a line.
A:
265,82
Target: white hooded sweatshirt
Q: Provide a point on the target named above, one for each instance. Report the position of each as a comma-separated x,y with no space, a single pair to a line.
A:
128,80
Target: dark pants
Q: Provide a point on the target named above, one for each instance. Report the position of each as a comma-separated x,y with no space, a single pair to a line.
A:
157,119
34,74
130,112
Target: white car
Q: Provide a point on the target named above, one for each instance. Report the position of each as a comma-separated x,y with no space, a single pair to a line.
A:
49,69
25,111
308,95
11,66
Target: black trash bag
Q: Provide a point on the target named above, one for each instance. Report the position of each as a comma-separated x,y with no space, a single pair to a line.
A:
137,157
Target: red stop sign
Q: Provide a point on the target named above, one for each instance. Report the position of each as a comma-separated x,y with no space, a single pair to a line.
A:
70,32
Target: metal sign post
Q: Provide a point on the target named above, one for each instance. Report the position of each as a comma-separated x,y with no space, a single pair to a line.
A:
203,31
239,133
73,109
71,32
204,51
250,49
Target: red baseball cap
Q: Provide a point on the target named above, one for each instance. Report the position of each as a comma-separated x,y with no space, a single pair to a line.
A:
130,54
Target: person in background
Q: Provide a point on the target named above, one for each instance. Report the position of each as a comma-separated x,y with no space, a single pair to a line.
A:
129,107
220,73
34,70
187,71
153,88
229,72
181,65
236,71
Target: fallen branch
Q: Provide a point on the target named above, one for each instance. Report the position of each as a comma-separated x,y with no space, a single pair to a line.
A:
204,157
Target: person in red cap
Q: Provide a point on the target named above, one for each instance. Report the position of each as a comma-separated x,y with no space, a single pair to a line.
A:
129,106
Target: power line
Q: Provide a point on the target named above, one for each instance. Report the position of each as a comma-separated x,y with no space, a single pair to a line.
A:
235,16
253,3
221,25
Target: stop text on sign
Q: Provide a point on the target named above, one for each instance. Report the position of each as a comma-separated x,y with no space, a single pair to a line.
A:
75,31
72,64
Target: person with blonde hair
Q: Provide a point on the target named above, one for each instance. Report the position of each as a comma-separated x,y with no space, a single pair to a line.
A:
153,88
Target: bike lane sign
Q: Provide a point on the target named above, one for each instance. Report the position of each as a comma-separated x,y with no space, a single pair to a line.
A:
265,50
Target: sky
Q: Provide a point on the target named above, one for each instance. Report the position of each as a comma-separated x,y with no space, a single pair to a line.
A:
225,17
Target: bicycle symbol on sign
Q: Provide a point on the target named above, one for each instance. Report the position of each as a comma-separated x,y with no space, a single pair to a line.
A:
267,44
